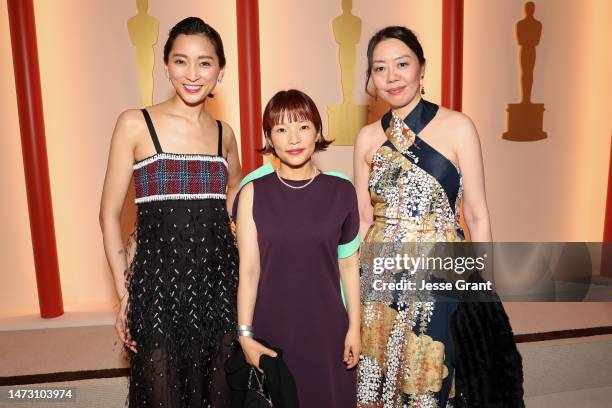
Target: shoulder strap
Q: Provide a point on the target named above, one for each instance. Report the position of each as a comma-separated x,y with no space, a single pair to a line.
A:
417,119
147,117
220,142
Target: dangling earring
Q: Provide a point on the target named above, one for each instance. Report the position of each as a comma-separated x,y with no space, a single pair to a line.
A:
219,79
422,90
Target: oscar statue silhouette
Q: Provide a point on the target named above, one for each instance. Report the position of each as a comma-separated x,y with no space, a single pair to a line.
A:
525,119
143,30
346,119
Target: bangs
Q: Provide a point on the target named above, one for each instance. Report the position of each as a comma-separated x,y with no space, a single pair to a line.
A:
290,106
289,114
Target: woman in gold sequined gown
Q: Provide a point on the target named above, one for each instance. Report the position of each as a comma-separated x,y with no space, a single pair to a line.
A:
416,171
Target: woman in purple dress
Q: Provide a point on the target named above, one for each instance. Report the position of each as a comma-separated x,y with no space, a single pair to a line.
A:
297,239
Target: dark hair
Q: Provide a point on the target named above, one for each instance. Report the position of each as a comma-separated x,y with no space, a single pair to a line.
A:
403,34
192,26
295,106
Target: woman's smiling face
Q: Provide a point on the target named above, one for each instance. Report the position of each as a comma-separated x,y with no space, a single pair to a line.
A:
396,72
193,67
294,141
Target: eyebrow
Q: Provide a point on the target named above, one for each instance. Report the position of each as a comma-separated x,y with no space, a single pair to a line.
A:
200,57
400,57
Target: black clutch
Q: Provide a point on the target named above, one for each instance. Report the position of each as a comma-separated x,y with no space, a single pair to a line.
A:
251,389
247,384
257,396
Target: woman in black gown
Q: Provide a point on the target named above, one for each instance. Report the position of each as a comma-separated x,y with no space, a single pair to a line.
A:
177,314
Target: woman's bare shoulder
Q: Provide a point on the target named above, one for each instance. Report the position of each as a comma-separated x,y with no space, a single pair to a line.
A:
457,120
369,135
228,132
130,126
371,128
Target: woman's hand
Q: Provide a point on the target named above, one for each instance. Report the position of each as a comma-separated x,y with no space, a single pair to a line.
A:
253,350
233,228
352,348
123,331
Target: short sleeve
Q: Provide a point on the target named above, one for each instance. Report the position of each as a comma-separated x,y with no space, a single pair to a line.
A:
349,237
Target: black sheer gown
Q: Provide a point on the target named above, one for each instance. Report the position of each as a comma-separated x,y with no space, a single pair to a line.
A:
182,282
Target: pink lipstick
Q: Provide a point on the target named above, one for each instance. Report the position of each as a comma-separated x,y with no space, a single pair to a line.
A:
396,91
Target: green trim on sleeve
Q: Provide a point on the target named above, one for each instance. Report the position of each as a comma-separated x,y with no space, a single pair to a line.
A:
257,173
348,249
337,174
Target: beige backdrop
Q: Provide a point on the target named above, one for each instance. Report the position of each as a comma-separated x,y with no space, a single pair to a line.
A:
548,190
554,189
89,76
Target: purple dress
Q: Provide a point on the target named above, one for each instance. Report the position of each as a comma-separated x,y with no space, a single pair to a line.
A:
301,233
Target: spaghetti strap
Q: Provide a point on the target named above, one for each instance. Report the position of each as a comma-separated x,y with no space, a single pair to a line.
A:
220,142
147,117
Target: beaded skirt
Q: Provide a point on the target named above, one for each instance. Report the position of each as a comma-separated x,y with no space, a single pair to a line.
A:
182,294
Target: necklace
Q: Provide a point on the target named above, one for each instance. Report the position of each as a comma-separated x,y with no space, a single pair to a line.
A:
316,173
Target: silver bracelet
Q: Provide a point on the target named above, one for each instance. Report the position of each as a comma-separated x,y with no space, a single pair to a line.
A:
245,330
245,333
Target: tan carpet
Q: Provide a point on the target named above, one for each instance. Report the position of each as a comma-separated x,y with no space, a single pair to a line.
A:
41,351
562,373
